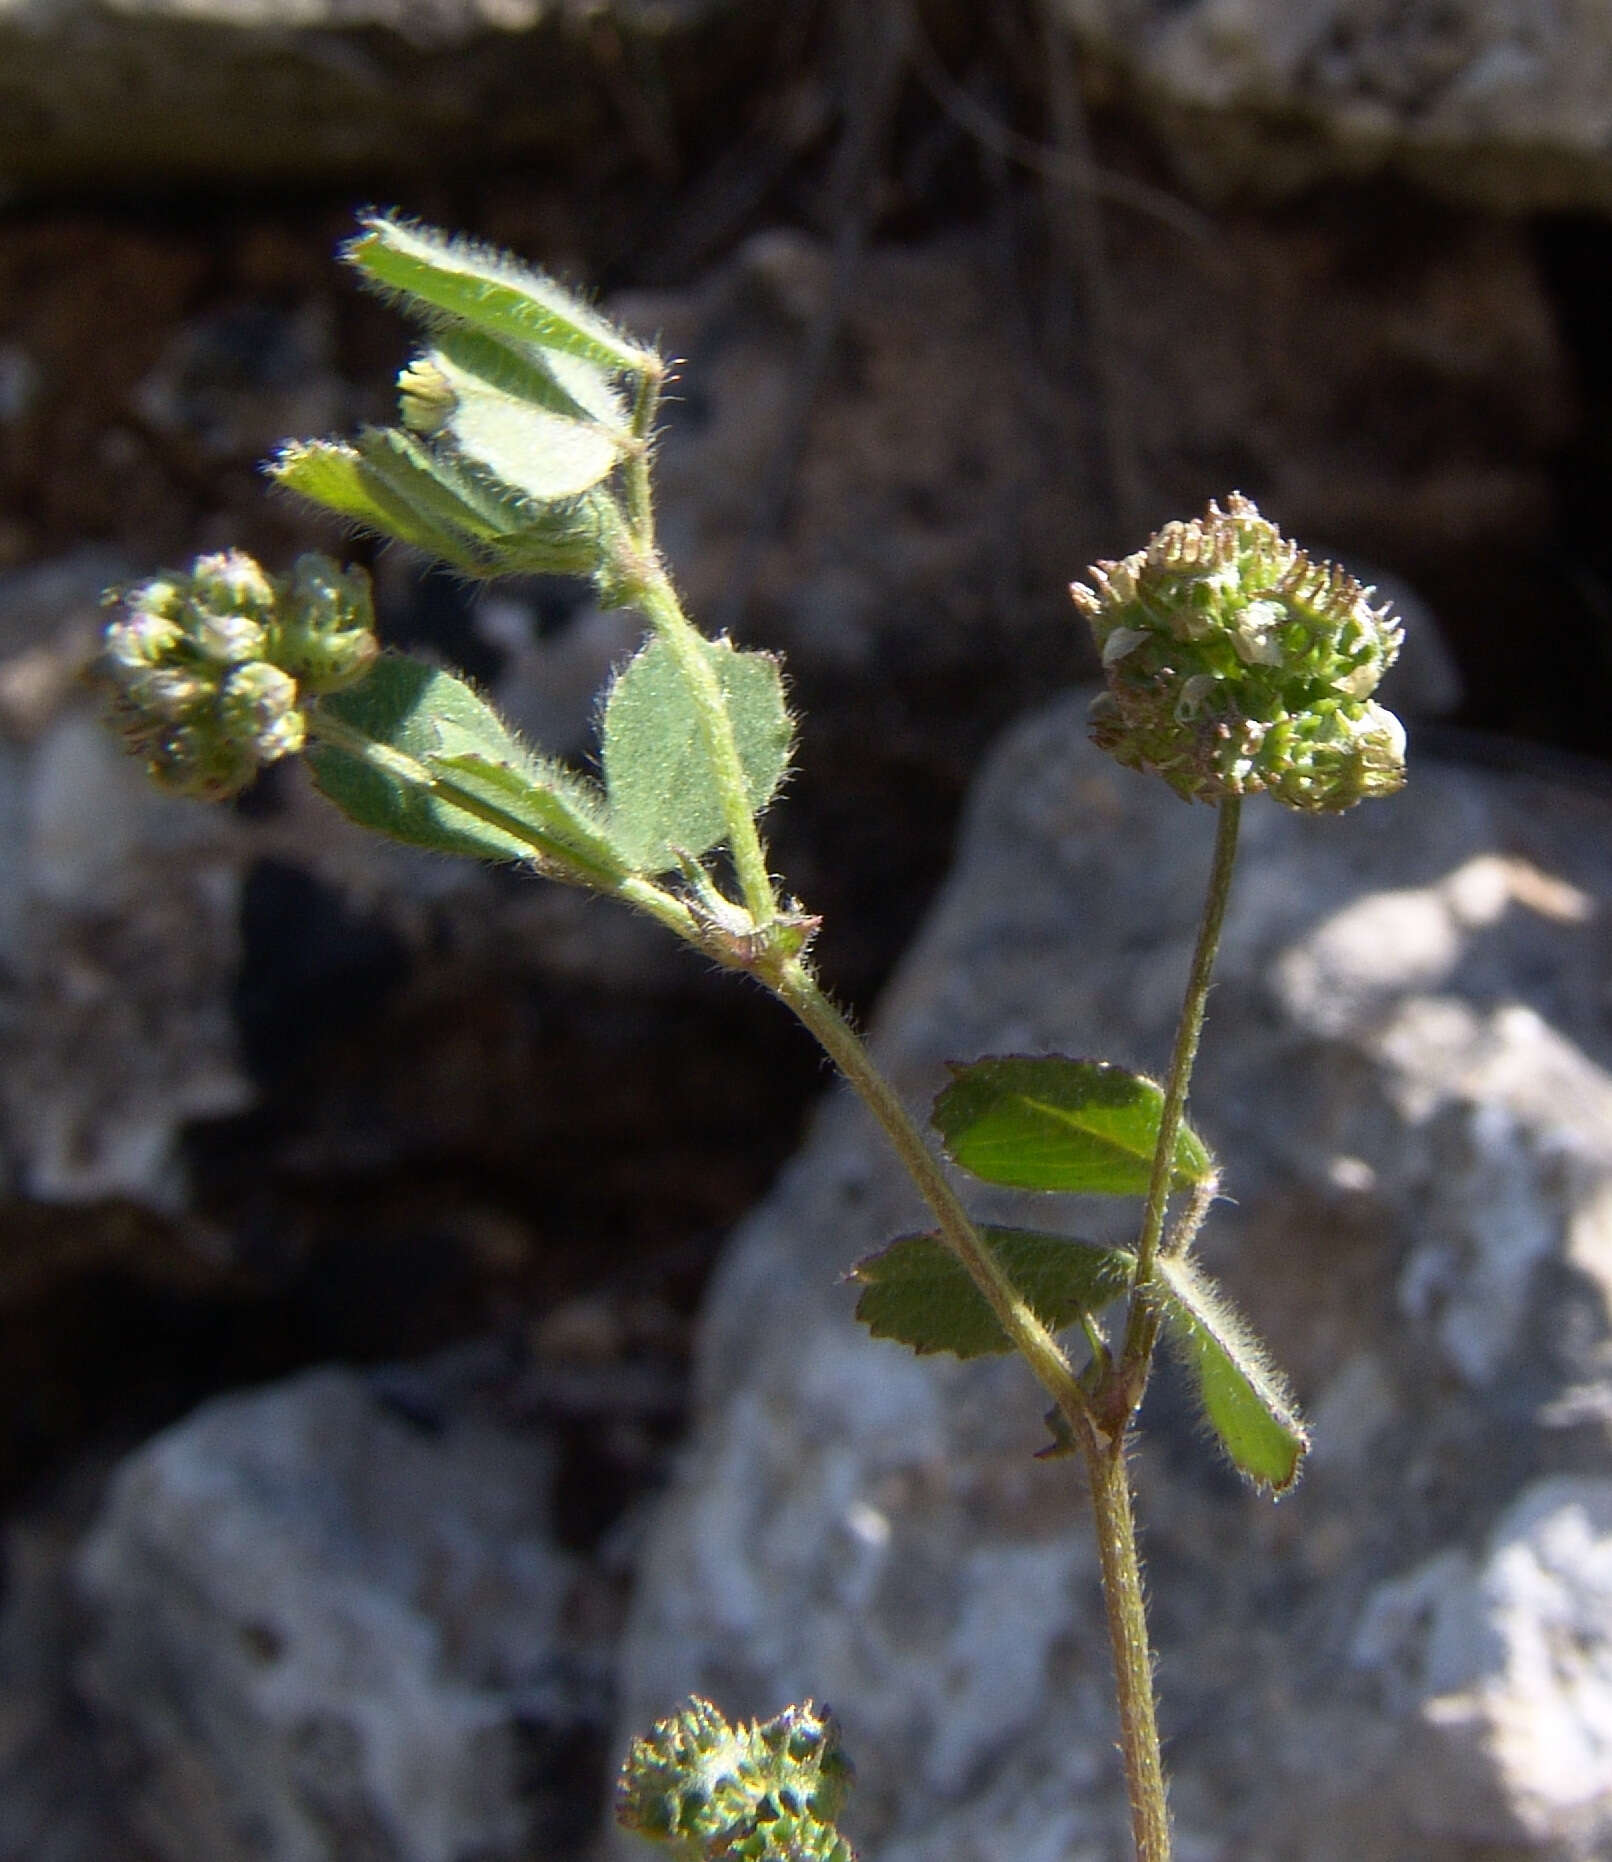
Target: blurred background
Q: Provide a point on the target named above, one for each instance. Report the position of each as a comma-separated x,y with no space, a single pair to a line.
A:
965,298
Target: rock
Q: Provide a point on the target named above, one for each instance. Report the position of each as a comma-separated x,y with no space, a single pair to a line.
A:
1510,1663
117,928
329,1631
1408,1073
1508,107
282,90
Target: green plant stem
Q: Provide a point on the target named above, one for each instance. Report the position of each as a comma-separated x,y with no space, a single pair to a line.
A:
654,594
1114,1521
1126,1609
1142,1326
799,990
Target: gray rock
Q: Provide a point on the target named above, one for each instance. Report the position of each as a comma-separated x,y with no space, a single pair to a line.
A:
1408,1072
1510,1664
117,927
327,1632
251,90
1507,105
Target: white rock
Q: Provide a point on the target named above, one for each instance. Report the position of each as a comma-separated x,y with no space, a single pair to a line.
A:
327,1632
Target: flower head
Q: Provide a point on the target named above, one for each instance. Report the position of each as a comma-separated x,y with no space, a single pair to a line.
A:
209,671
762,1791
1235,663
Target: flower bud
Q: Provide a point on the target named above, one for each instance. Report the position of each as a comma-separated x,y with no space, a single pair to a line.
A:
232,583
201,760
226,639
324,634
425,396
258,707
143,638
1236,664
168,694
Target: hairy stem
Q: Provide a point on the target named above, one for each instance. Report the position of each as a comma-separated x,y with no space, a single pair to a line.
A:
1126,1608
1142,1327
800,991
639,482
1104,1442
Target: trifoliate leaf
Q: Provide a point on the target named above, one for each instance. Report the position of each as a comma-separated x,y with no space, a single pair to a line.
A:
664,802
443,277
1044,1122
1246,1401
430,498
917,1292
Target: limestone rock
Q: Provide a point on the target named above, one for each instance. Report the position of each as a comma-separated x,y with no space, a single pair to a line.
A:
1508,106
328,1632
1408,1074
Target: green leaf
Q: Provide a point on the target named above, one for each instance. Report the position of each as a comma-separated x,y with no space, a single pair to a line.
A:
664,801
917,1292
496,420
1044,1122
335,475
426,497
416,723
489,290
565,385
426,481
1246,1401
538,798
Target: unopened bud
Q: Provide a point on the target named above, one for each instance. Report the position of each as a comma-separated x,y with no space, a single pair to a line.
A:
324,633
425,396
227,639
258,706
232,582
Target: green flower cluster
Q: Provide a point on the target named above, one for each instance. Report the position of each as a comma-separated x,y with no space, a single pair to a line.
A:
1236,664
767,1791
208,672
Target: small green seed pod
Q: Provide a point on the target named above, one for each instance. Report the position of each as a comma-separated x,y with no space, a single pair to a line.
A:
200,760
1236,664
